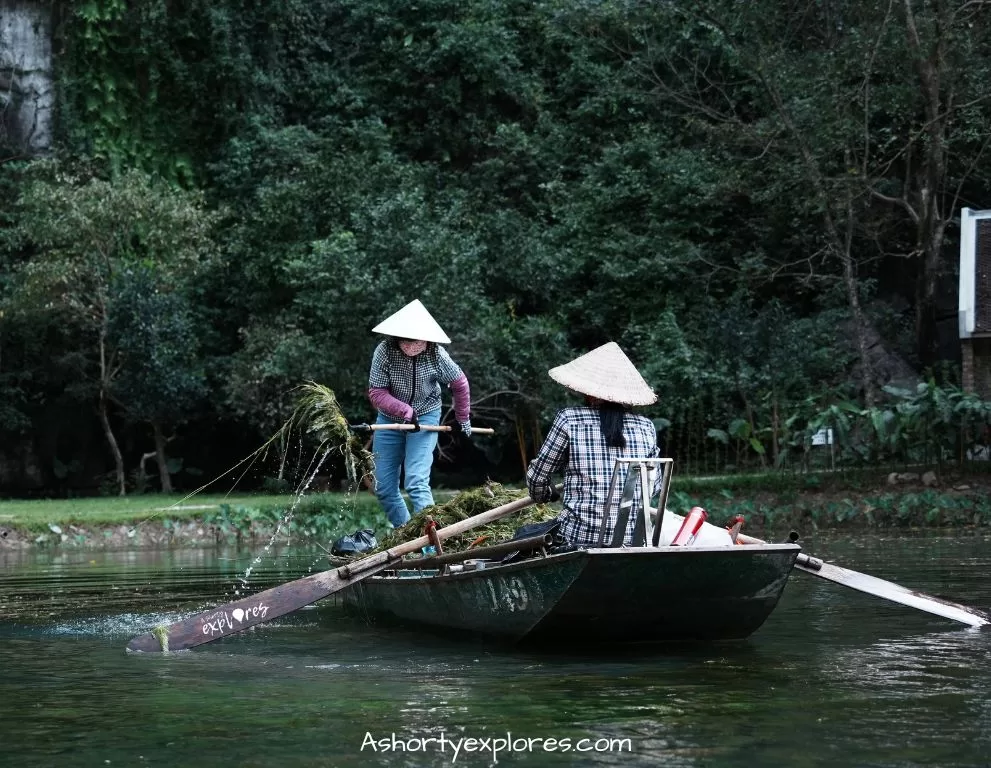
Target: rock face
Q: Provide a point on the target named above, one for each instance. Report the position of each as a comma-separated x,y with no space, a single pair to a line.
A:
27,92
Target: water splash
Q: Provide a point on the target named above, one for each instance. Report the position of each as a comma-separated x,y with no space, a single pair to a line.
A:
285,521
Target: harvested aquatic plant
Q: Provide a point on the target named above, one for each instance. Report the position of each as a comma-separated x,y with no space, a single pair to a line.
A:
318,412
467,504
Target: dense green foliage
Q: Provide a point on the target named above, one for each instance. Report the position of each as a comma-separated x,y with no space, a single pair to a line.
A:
747,197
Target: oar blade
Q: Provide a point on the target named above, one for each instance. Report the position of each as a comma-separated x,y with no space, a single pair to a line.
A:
896,593
250,611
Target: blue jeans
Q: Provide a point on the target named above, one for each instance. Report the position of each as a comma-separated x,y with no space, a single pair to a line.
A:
412,452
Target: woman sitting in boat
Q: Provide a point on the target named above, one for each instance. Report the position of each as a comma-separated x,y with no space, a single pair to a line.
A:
585,441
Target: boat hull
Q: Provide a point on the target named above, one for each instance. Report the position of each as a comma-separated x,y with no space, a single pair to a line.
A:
625,595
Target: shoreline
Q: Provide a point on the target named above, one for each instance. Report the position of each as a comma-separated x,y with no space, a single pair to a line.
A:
321,518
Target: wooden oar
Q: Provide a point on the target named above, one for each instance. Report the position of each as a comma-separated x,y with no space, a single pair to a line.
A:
410,428
885,589
264,606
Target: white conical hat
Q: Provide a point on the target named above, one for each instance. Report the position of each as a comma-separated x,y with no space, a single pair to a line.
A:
606,373
413,322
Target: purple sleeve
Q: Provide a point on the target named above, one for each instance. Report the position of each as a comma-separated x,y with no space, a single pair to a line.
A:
462,398
383,401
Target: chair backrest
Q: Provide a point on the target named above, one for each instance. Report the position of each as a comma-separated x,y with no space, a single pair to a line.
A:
638,478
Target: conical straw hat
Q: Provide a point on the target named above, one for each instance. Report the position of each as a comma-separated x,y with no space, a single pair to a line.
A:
606,373
412,322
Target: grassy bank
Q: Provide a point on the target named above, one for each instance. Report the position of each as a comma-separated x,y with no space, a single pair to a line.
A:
770,503
36,514
170,520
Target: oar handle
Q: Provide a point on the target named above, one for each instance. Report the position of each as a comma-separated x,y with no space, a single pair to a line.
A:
410,428
812,563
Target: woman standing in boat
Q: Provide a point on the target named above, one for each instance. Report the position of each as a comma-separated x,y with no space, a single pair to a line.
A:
404,385
585,441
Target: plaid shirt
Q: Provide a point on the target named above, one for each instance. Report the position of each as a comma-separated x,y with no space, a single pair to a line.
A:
414,380
575,445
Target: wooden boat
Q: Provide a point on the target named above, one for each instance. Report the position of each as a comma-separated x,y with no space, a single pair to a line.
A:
609,595
613,593
646,593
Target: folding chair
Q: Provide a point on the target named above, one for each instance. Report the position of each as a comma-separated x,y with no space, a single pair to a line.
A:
635,500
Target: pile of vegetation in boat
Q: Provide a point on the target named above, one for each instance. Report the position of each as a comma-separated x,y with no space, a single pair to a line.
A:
468,503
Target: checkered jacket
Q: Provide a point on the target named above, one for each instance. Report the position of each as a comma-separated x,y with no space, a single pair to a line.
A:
414,380
576,447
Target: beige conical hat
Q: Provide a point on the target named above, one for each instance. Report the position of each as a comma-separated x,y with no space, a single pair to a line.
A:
606,373
412,322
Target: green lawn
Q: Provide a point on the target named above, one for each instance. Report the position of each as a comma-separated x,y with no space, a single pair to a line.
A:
36,514
117,510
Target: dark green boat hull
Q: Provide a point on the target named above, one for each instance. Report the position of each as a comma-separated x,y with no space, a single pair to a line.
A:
629,595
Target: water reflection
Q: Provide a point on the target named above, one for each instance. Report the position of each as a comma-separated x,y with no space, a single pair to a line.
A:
912,666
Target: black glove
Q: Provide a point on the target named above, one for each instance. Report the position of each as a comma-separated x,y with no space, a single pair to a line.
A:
415,421
465,427
555,496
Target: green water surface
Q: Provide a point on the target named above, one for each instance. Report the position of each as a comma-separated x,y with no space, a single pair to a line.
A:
832,678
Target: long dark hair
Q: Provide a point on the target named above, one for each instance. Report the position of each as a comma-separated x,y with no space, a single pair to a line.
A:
611,423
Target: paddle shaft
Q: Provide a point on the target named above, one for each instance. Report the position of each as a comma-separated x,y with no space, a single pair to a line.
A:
264,606
423,427
886,590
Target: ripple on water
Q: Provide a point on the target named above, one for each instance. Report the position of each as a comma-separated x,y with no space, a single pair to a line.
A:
120,625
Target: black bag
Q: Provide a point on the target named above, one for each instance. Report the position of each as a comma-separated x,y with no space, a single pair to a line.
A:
537,529
355,543
534,529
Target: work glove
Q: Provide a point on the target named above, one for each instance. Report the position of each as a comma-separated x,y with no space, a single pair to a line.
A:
465,428
555,496
415,421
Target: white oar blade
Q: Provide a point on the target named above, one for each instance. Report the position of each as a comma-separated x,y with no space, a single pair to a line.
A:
895,593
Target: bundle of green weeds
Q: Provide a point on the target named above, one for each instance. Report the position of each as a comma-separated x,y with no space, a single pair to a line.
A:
467,504
318,413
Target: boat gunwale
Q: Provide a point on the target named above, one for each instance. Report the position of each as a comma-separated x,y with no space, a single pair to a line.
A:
391,576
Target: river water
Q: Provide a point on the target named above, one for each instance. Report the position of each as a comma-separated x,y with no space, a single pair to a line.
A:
832,678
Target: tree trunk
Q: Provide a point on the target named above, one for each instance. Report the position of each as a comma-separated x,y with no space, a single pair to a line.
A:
105,379
112,442
162,459
860,326
930,218
775,425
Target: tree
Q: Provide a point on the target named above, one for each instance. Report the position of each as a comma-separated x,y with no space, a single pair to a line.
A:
85,234
812,107
928,171
161,377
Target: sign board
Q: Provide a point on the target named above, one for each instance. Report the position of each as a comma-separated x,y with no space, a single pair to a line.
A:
973,287
823,437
